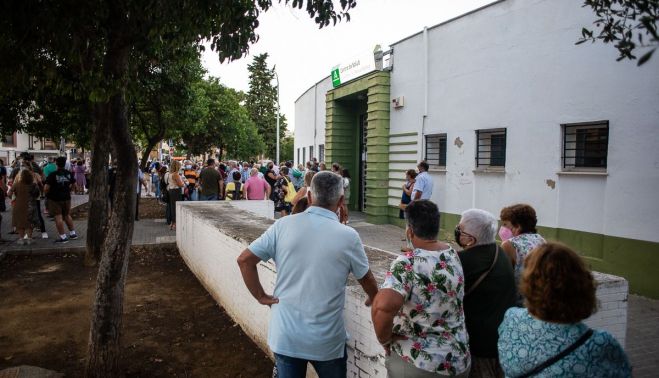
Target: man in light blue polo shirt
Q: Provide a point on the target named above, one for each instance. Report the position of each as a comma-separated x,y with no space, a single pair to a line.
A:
307,305
422,184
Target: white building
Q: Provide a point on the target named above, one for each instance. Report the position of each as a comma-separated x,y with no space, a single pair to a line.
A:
506,109
12,145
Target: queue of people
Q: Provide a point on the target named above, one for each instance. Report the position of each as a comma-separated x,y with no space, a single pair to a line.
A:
283,184
28,183
481,310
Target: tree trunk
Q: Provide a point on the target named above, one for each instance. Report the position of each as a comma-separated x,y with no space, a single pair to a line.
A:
99,190
103,349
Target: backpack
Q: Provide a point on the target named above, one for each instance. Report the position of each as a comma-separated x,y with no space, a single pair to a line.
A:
164,193
236,192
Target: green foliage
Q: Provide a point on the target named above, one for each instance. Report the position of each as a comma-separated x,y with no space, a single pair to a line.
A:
627,24
287,148
166,96
227,125
261,102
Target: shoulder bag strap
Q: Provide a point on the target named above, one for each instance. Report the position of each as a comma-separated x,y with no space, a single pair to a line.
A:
482,277
559,356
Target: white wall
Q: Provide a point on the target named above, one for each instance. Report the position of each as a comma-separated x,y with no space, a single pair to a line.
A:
310,114
211,235
515,65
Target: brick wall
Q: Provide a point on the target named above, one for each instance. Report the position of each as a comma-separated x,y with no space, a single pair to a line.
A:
211,235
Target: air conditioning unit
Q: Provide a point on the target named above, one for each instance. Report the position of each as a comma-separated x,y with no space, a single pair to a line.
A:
398,102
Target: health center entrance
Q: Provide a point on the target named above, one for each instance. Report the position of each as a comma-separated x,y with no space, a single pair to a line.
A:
357,137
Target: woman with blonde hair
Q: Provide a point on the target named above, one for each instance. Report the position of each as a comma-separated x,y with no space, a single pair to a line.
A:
302,193
174,185
548,338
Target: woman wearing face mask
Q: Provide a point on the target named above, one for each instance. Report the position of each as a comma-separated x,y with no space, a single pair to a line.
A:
519,237
489,288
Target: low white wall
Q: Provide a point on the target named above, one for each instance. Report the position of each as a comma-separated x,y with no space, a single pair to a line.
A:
211,235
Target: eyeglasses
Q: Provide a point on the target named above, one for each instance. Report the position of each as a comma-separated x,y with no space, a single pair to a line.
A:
458,231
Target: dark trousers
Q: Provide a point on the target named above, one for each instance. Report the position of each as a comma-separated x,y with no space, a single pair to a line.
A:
42,225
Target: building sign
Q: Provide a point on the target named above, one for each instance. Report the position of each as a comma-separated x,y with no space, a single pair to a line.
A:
353,69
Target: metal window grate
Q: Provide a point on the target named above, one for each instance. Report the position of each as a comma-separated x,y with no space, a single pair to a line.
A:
310,152
298,157
435,151
304,154
585,145
321,152
491,149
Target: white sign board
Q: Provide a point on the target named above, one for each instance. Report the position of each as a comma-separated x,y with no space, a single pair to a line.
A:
352,69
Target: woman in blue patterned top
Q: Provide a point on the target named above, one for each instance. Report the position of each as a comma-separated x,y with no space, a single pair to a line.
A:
547,337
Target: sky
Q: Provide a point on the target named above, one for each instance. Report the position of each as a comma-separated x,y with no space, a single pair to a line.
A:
304,54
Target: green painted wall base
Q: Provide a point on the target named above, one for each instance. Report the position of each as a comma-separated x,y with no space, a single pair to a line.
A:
635,260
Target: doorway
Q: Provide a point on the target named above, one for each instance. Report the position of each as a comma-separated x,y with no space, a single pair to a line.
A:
363,149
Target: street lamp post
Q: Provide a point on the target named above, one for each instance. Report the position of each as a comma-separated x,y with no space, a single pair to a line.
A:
277,77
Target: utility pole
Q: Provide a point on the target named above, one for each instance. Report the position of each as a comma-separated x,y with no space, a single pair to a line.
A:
277,77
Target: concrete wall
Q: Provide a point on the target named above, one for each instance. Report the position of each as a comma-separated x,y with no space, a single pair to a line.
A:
211,235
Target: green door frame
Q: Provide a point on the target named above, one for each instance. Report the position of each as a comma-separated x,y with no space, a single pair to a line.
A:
341,136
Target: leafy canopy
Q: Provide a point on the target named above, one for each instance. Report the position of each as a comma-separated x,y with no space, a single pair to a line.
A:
627,24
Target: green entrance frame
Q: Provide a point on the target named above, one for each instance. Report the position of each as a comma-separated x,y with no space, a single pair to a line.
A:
343,106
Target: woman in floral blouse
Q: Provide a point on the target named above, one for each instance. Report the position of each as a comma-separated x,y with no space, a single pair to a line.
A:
519,237
418,314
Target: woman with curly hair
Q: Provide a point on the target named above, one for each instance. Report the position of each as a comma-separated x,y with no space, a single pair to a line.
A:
519,236
548,338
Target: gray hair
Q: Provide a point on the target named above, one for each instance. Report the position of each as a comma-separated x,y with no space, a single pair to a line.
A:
326,188
480,224
253,172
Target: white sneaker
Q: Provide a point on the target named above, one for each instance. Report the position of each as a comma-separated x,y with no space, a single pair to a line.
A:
44,235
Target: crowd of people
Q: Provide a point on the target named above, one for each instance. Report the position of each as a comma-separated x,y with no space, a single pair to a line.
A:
27,183
284,184
485,309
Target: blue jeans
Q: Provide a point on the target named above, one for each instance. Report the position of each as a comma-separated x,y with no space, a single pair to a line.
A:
210,197
291,367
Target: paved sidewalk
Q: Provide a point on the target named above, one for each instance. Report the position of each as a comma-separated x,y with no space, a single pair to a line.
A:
642,313
146,231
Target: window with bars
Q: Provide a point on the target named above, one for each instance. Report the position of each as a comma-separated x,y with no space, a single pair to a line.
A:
435,154
304,154
310,152
321,152
491,149
585,145
298,157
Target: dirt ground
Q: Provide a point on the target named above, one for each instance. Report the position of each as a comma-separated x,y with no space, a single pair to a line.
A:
171,325
149,209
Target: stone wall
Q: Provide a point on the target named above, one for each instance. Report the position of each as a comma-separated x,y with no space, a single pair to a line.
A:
211,235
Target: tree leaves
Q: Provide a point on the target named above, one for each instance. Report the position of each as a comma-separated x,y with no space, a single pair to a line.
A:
621,22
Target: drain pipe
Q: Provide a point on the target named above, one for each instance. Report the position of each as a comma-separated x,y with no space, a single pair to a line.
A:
425,92
315,131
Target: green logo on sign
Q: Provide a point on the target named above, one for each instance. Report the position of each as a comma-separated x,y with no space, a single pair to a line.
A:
336,79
